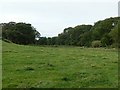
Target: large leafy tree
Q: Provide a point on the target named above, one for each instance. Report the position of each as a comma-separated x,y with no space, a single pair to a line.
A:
20,33
102,27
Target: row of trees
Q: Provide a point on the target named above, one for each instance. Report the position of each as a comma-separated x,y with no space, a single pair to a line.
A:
103,33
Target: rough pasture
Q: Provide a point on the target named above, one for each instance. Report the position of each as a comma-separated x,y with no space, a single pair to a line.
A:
58,67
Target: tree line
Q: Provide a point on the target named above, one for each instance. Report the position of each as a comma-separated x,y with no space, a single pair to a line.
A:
103,33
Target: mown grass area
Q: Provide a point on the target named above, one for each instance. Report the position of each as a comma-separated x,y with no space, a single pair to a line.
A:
58,67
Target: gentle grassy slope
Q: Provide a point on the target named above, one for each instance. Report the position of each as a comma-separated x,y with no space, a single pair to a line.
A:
34,66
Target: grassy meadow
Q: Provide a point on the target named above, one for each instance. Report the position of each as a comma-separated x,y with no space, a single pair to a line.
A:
58,67
0,64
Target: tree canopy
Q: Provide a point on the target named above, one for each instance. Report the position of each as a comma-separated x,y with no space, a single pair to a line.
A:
20,33
103,33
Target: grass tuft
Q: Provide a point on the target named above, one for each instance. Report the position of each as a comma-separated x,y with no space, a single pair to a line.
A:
28,68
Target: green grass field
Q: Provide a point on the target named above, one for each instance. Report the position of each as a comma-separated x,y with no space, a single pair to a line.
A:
58,67
0,64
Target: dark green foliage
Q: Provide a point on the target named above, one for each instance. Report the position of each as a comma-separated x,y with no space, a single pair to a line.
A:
54,41
105,31
115,33
49,41
72,36
42,41
102,27
20,33
85,35
106,40
85,39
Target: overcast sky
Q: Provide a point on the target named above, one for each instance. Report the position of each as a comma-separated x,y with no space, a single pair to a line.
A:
50,17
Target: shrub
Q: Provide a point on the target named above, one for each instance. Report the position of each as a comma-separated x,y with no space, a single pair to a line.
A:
96,43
